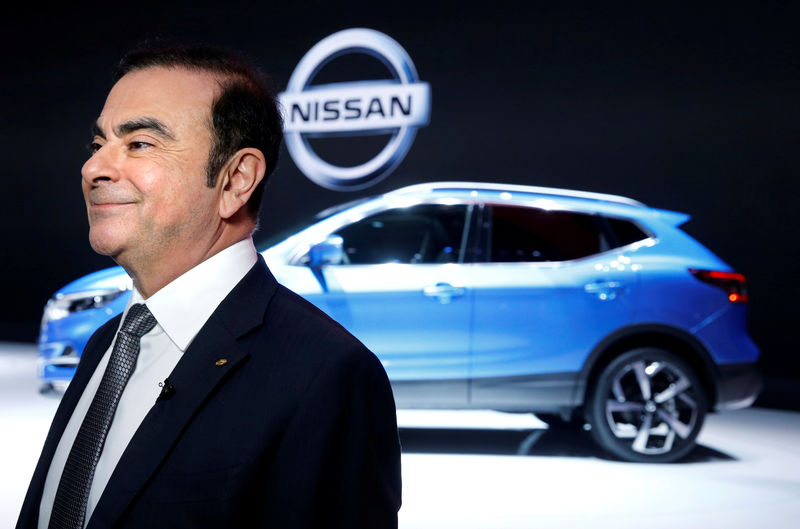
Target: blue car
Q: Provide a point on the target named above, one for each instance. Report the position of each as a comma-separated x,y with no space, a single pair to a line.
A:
580,305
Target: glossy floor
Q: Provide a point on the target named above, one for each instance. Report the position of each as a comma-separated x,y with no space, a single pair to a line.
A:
464,470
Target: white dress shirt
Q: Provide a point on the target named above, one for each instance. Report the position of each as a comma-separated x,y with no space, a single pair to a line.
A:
181,309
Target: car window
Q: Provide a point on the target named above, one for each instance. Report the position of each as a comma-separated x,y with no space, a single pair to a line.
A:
626,232
427,233
522,234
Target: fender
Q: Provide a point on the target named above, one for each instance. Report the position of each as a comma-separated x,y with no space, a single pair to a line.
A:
675,339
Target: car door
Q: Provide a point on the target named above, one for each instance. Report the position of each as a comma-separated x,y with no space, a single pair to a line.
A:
400,290
548,289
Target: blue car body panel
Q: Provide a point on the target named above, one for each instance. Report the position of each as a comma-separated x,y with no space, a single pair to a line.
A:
379,304
547,323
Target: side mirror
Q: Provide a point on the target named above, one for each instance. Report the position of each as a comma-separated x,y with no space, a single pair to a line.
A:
326,252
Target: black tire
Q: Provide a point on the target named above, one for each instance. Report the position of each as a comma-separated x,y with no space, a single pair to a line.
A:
555,421
647,405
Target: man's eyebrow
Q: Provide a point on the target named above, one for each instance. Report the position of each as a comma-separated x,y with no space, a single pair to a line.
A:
151,124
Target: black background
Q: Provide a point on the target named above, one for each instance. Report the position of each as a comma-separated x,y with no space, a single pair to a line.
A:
691,108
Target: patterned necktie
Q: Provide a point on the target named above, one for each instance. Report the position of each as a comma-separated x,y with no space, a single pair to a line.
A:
72,496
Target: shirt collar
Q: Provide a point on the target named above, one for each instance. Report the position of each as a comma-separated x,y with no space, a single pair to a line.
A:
182,307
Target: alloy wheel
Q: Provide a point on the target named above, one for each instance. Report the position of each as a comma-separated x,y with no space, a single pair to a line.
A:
648,405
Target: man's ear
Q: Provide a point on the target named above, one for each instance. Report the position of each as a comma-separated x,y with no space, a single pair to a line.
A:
238,179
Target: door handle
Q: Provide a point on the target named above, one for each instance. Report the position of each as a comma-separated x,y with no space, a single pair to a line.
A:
444,292
604,290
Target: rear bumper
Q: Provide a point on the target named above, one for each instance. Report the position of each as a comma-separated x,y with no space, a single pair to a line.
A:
738,385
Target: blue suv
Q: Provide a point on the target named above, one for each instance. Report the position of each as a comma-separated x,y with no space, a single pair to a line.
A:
515,298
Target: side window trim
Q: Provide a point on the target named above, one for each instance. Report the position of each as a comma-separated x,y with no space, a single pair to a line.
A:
476,247
465,233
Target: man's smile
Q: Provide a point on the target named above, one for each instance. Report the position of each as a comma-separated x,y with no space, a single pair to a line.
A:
100,198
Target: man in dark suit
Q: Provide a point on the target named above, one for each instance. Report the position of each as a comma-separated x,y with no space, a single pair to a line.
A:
219,398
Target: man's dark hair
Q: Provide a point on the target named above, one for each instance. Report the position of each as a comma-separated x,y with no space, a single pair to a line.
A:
244,115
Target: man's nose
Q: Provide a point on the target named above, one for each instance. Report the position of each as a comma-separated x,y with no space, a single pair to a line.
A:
102,166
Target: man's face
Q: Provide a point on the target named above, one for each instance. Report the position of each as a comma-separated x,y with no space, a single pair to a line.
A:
144,184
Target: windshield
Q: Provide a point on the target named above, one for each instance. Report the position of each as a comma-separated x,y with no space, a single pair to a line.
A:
264,240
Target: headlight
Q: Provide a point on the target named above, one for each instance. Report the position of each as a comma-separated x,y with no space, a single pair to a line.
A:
62,305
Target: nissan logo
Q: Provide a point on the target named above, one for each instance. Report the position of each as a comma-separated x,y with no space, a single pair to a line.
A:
396,106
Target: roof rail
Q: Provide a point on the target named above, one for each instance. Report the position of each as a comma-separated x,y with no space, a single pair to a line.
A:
514,188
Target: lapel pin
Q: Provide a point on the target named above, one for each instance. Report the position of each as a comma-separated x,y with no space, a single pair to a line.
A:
167,390
222,362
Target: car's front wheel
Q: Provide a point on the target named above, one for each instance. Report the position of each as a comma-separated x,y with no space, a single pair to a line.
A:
647,405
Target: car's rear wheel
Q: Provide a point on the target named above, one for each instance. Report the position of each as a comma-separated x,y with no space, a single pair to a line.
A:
647,405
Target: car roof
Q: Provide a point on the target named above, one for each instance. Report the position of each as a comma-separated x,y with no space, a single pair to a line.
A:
581,200
432,187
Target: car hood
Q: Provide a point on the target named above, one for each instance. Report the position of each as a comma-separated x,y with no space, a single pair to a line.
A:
114,277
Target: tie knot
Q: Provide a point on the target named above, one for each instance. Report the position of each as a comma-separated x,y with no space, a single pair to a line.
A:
138,321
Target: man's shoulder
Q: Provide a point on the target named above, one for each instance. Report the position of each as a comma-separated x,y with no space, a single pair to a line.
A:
297,316
298,347
292,334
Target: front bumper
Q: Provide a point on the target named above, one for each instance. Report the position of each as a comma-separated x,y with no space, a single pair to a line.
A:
738,385
57,363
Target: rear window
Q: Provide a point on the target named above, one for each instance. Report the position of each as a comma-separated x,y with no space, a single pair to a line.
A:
523,234
626,231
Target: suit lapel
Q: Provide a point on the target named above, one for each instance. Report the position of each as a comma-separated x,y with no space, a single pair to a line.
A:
194,378
92,353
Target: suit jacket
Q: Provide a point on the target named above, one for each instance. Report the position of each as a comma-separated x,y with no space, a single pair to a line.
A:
296,429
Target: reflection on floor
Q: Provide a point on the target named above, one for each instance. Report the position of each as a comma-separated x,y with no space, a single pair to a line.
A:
745,473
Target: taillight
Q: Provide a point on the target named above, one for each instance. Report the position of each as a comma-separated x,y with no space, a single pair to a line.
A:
734,284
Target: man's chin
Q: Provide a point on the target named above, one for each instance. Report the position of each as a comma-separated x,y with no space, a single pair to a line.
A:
105,245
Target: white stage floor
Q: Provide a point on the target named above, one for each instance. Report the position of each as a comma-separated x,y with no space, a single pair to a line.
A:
467,474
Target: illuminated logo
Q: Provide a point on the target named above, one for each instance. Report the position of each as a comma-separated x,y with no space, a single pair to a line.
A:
396,106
